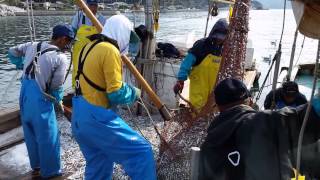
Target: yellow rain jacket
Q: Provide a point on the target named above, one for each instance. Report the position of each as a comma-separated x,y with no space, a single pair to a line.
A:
102,65
202,80
84,28
202,65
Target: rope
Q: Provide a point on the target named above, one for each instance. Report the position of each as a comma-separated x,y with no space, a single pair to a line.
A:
284,20
33,25
137,127
209,7
306,117
302,46
69,68
277,66
162,139
293,50
29,20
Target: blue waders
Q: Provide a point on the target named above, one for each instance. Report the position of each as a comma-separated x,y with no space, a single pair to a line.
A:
104,138
40,129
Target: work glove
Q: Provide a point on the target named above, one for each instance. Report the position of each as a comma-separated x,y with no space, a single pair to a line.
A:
137,92
59,107
178,87
18,61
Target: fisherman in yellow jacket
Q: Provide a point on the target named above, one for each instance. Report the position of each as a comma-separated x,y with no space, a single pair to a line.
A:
103,136
83,28
202,64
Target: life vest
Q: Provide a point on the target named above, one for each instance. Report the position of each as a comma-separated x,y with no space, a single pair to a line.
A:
82,39
202,80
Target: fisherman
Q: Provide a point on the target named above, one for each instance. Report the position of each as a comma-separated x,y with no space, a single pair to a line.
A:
246,144
202,65
44,71
103,136
287,95
83,28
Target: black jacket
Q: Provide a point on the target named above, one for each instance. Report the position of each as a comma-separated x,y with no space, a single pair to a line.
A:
300,99
264,139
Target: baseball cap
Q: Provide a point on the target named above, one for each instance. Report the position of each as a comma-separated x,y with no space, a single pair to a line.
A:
230,90
290,88
92,2
63,30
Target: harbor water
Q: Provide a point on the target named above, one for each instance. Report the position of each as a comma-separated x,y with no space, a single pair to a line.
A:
265,29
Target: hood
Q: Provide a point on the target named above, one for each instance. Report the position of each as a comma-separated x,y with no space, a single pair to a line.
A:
224,125
219,30
119,27
204,46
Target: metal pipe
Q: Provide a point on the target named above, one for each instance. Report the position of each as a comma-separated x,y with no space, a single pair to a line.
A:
293,51
195,156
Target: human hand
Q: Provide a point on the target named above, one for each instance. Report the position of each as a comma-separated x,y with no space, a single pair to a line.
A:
178,87
138,92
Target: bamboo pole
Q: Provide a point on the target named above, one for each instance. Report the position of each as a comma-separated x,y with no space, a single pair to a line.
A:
154,98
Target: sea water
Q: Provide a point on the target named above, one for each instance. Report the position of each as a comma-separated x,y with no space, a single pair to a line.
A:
265,29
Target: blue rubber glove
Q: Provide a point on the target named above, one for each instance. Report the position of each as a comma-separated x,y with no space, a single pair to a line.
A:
316,104
57,93
18,61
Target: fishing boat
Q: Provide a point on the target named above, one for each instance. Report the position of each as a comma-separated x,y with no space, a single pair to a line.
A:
166,71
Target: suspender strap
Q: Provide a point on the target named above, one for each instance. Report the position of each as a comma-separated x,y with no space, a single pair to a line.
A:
83,19
30,68
80,71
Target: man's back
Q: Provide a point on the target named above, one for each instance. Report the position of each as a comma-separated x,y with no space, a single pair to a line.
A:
263,140
102,64
52,65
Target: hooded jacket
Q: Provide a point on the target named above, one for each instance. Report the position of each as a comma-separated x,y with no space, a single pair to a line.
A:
205,46
103,66
119,31
265,141
202,48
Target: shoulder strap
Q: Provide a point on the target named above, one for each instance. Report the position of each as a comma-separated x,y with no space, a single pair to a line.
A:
83,19
80,71
48,50
30,69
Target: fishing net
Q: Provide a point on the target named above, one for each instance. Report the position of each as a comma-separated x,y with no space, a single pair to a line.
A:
188,128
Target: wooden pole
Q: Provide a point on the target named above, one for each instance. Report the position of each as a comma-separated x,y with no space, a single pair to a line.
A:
155,99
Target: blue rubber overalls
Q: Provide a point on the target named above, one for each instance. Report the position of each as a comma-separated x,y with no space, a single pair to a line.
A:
39,125
104,138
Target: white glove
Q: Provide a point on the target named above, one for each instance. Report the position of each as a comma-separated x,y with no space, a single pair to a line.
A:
138,92
60,107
